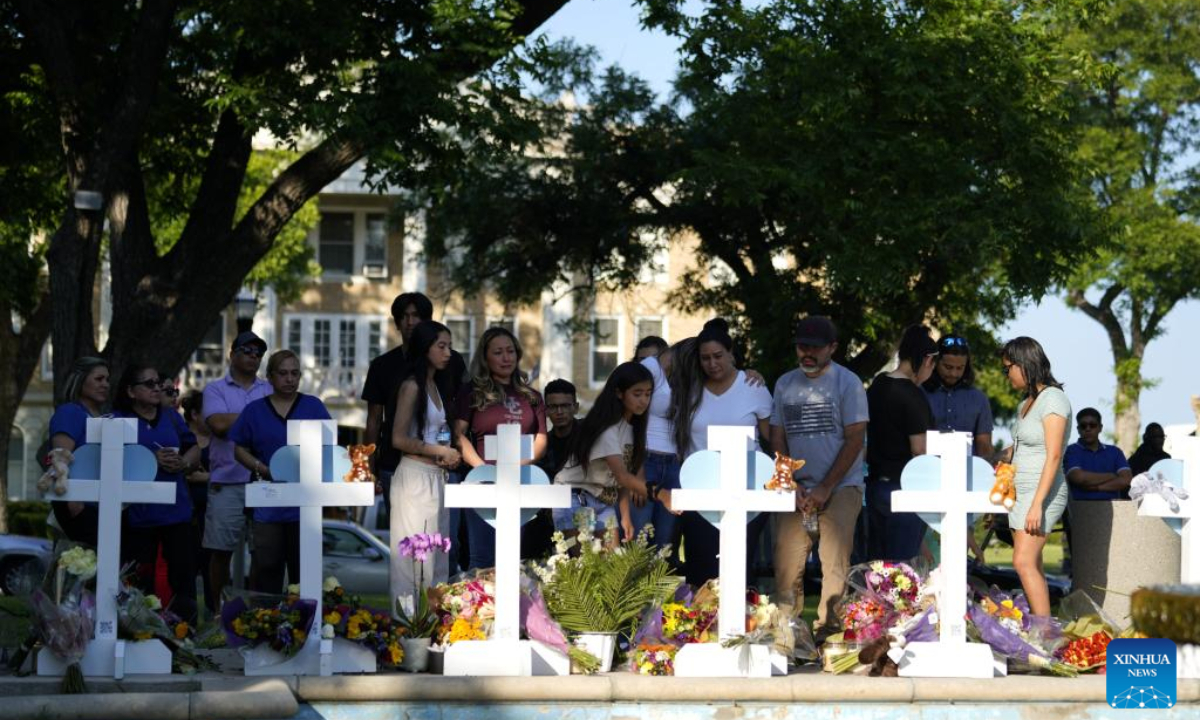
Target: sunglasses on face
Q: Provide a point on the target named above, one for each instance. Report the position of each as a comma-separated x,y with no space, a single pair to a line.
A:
953,341
253,350
172,391
1088,425
561,408
149,383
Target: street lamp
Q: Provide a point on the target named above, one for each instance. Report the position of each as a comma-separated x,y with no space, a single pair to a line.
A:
245,305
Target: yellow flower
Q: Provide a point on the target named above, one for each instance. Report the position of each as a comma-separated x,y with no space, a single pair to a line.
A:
333,618
181,631
465,630
395,654
144,635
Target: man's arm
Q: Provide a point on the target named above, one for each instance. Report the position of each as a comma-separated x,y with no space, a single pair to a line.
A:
371,434
916,444
220,423
853,436
983,446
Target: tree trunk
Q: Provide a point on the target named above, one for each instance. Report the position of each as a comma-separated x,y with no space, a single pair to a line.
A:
1127,417
19,352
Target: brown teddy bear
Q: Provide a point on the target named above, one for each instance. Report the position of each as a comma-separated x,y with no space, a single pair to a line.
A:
784,468
60,460
360,463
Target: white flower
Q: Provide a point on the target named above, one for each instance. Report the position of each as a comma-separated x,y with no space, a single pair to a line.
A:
293,589
153,602
331,584
79,562
327,631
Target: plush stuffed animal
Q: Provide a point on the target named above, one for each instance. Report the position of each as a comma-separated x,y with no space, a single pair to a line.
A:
60,460
784,468
1004,492
360,463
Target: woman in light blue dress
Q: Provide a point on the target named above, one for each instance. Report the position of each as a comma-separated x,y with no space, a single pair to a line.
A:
1039,440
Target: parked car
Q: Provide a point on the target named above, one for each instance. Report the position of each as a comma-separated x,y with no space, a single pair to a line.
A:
375,519
358,559
23,563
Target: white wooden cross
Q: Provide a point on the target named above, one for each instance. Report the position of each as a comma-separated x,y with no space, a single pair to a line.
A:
117,441
503,654
1187,454
735,498
952,502
312,494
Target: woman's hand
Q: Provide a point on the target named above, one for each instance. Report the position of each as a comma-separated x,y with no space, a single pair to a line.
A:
636,489
447,456
1033,520
664,497
169,460
627,528
754,378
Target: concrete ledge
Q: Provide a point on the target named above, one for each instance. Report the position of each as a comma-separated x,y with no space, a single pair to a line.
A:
134,700
803,687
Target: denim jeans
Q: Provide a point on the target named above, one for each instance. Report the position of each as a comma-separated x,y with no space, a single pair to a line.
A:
891,535
662,470
564,519
481,541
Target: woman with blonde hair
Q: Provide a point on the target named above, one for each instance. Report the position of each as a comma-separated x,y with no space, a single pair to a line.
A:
499,393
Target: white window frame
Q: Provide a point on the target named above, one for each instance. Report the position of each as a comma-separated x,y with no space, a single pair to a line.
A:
362,333
660,319
617,347
467,349
658,271
494,320
359,245
224,343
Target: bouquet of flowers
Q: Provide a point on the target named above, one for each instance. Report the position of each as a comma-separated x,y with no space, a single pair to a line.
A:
651,659
416,615
66,623
465,609
346,617
142,617
1005,623
896,586
283,626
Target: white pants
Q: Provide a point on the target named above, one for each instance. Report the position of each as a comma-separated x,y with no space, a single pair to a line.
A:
417,507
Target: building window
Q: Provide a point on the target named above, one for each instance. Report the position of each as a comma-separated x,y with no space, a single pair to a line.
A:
647,327
657,269
462,336
321,342
211,350
374,339
295,338
508,323
335,250
347,343
375,249
606,348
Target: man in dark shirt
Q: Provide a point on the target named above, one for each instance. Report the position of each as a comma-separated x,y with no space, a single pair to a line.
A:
384,376
899,417
562,403
1095,471
1151,450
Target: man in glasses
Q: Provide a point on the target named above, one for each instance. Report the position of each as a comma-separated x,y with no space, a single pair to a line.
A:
224,399
955,401
1095,471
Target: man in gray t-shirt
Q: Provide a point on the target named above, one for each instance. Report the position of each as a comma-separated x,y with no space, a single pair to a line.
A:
820,411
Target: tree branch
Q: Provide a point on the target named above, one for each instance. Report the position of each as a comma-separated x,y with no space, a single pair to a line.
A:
1103,314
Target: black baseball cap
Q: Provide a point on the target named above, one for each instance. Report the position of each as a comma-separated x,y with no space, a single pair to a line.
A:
248,338
816,330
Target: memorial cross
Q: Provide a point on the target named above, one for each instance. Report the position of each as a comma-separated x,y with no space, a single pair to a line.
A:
1184,472
735,498
316,485
124,473
952,503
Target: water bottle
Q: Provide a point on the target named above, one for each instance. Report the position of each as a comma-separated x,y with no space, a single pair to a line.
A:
443,435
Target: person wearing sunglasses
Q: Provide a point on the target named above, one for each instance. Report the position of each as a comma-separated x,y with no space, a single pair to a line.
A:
224,400
148,526
956,403
1095,471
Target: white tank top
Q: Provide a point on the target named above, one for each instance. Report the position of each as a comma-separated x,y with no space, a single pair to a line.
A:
435,418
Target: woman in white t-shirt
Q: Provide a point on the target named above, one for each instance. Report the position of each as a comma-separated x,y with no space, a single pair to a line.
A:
613,439
709,390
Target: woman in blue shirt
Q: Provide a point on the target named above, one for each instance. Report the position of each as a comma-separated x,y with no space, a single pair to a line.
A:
164,432
87,394
259,431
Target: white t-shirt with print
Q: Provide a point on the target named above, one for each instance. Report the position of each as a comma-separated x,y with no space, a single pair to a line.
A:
742,404
616,440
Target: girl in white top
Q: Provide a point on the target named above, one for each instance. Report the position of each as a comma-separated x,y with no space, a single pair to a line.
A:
710,390
422,432
613,439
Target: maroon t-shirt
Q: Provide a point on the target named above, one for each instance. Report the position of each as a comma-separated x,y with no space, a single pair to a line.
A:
514,408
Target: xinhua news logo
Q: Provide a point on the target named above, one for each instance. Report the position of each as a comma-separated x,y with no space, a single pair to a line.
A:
1141,674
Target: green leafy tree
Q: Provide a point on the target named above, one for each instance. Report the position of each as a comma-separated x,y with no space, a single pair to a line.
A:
1140,144
882,162
153,106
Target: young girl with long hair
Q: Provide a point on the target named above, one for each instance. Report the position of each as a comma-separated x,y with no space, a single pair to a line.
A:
422,432
606,469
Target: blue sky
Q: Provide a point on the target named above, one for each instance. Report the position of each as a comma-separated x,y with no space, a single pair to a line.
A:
1077,346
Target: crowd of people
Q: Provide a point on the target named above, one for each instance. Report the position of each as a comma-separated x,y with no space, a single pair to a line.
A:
428,414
